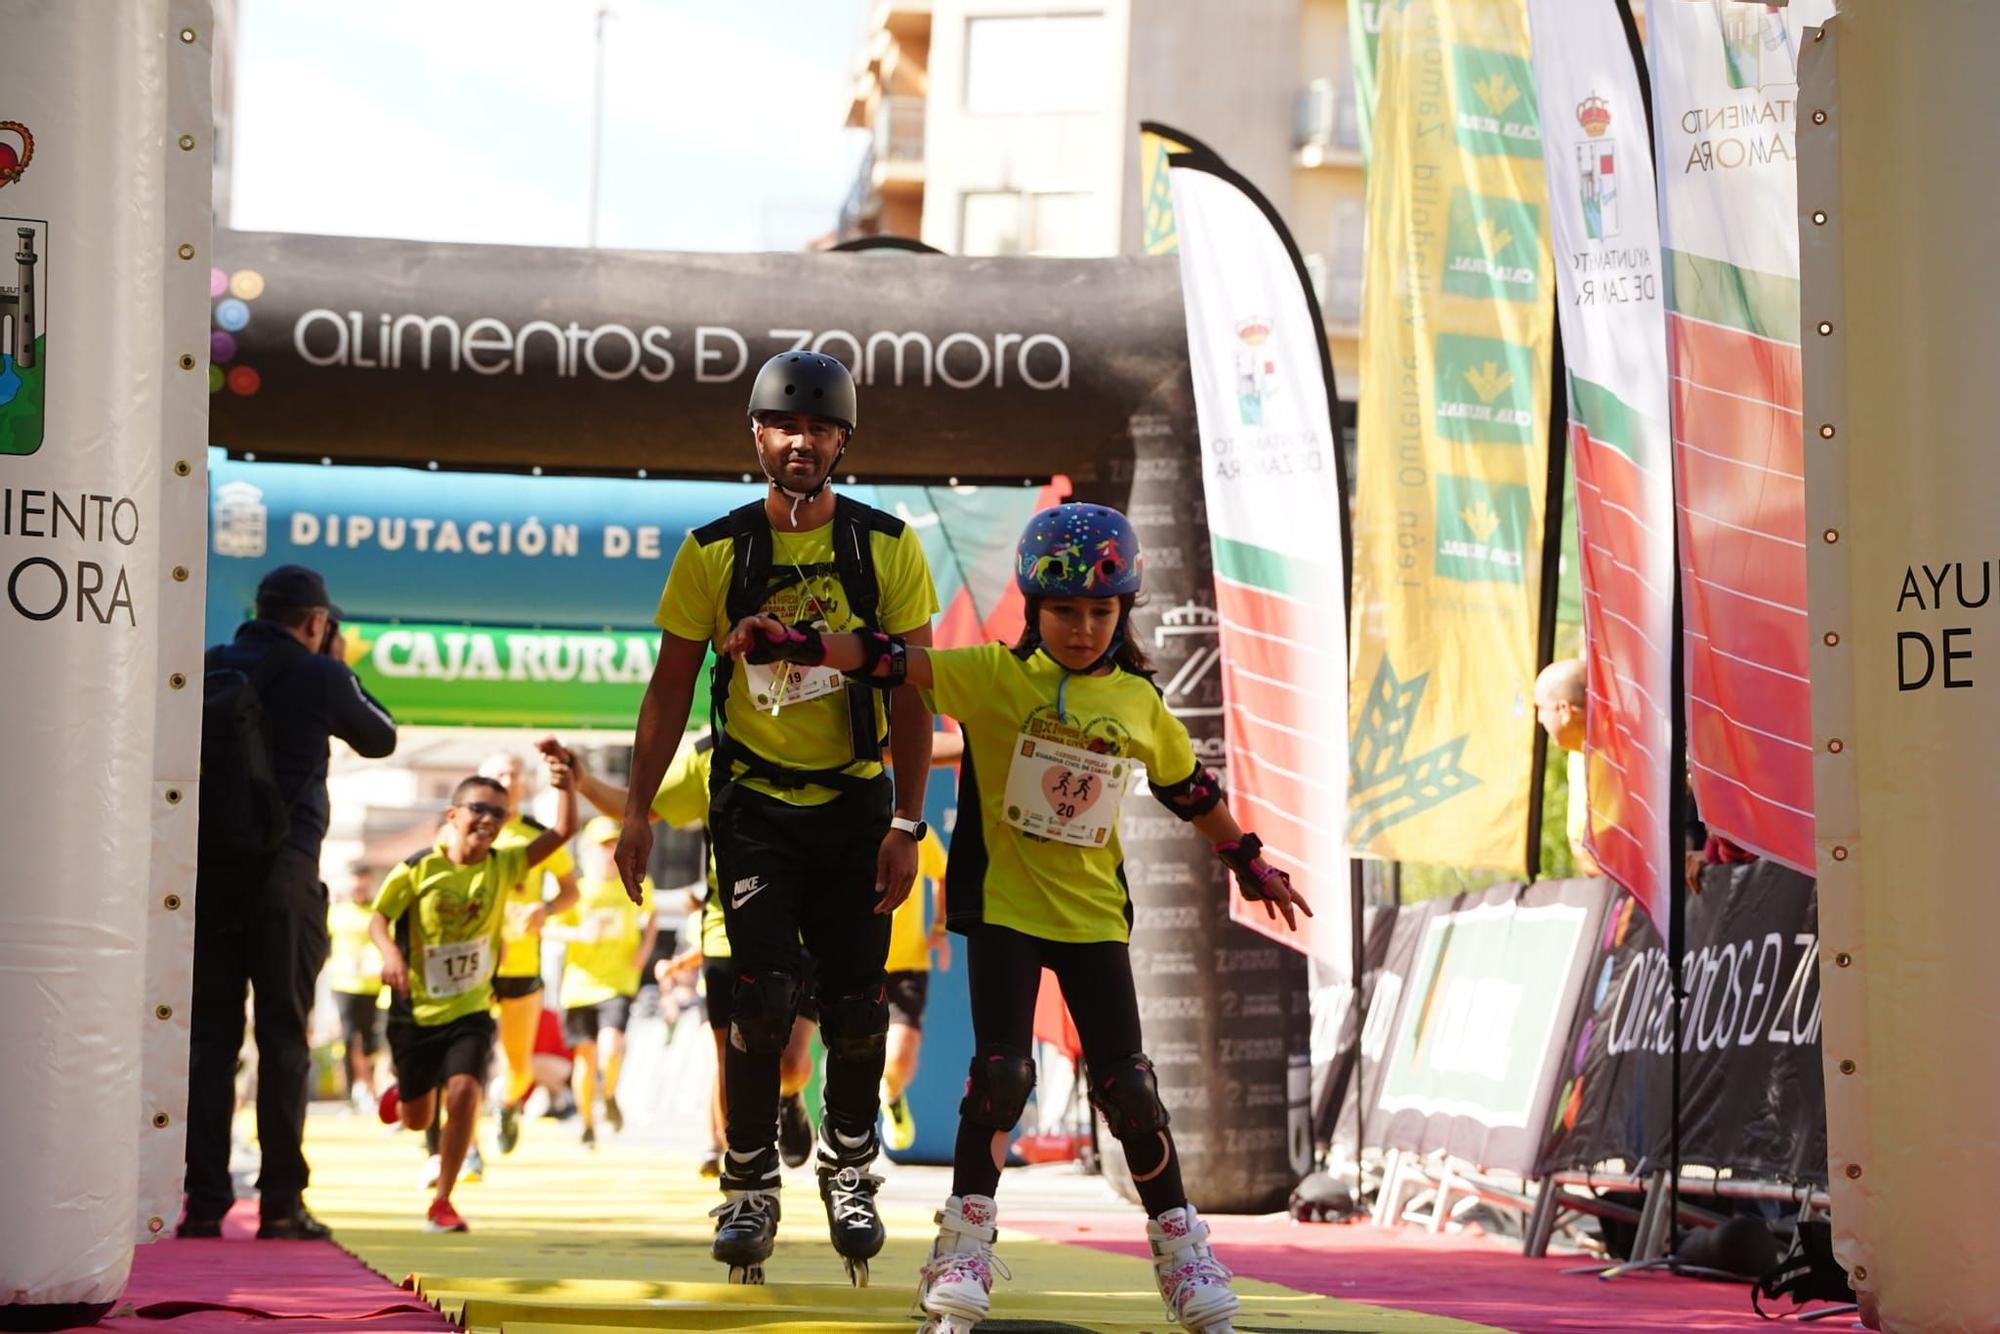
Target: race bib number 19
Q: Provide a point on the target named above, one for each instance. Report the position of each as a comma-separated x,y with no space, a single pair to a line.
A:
454,969
1063,792
775,685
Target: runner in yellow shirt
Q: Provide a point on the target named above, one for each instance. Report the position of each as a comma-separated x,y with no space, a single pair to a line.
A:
607,939
437,925
1057,730
517,983
354,975
908,981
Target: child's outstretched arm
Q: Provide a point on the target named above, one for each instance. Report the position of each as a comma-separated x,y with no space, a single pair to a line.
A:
880,660
1197,799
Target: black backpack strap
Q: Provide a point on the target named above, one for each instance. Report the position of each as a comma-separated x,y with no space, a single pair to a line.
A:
854,527
533,823
416,859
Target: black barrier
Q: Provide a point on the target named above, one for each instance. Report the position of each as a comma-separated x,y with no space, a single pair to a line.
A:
400,352
1225,1009
1462,1045
1753,1092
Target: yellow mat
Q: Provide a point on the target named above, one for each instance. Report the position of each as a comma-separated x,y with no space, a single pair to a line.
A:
568,1242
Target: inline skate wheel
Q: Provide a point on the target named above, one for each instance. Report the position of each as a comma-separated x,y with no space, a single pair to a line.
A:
746,1274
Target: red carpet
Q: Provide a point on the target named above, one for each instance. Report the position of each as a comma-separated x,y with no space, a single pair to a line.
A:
1463,1277
177,1287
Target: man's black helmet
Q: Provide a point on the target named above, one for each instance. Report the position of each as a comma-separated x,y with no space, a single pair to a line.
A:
806,382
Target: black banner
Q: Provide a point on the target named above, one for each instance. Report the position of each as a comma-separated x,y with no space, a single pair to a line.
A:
1753,1095
399,352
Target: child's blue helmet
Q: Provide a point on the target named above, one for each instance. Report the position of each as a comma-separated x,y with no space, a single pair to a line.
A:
1078,551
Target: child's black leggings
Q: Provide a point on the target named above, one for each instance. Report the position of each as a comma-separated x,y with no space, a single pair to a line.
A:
1005,975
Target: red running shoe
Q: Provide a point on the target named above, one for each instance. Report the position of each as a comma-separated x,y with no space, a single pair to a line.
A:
388,1105
443,1218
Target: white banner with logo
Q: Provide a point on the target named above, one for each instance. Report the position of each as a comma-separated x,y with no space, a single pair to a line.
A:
1900,313
1605,233
1262,387
103,355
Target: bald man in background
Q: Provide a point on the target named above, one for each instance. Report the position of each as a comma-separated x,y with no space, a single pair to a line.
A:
1561,698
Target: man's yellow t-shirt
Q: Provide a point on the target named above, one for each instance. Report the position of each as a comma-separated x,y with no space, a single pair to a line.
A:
682,802
909,942
812,733
608,963
521,950
446,919
353,965
1033,884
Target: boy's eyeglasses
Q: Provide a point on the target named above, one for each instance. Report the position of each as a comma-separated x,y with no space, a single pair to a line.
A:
487,809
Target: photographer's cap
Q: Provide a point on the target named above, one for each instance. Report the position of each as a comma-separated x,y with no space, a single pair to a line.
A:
294,586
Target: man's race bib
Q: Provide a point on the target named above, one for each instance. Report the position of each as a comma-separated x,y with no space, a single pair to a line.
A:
1063,792
773,685
601,924
518,912
454,969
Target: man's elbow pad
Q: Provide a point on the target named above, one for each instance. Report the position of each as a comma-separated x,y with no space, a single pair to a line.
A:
1194,796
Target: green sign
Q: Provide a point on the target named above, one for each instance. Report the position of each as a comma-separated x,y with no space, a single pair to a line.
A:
481,676
1485,390
1493,97
1484,997
1493,249
22,388
1482,530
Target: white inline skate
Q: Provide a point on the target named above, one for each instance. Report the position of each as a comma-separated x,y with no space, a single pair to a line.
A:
956,1289
1193,1283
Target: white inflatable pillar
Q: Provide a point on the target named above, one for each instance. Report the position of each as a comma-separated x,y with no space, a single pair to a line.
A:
1900,316
106,152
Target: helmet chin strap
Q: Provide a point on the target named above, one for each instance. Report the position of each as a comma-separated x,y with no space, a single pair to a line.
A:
799,498
1104,659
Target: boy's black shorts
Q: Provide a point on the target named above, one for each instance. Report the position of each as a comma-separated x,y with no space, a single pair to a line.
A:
361,1019
426,1056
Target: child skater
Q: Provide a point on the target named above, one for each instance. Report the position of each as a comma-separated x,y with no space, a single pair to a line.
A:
1053,730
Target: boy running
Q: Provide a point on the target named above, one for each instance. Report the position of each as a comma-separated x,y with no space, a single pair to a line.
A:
437,925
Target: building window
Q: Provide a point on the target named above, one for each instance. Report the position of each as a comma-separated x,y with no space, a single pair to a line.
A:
1341,301
990,223
1043,64
1013,222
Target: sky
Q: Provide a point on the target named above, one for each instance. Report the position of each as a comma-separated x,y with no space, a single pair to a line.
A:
470,120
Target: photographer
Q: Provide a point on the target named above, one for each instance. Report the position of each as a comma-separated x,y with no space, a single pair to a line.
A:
273,697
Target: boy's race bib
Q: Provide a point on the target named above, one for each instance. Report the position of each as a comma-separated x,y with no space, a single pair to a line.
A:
1063,792
454,969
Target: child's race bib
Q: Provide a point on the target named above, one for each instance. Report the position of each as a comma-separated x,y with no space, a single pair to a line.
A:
454,969
1063,792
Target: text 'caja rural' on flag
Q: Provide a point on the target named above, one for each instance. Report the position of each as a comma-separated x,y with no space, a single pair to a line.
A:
1452,473
1725,89
1605,232
1271,472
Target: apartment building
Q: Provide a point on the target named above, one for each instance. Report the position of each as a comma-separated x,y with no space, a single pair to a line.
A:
1011,126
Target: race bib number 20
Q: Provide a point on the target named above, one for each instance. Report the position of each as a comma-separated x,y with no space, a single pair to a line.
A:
1063,792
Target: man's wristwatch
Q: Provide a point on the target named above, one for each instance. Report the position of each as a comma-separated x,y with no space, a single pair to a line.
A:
916,829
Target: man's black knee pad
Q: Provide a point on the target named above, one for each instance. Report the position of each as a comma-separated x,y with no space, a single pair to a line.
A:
1129,1097
997,1089
855,1027
761,1011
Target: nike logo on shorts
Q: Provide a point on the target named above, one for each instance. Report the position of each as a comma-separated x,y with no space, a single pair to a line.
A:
745,890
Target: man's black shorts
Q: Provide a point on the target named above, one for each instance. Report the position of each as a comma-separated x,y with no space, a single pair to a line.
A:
361,1020
907,993
426,1056
514,988
718,989
582,1023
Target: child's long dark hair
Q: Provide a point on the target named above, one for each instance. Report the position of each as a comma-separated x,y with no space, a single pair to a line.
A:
1131,655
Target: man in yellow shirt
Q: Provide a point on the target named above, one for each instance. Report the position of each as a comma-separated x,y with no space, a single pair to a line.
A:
812,839
607,938
517,984
908,982
354,975
437,926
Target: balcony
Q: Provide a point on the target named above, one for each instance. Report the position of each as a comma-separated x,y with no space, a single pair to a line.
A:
898,149
1328,131
1336,282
